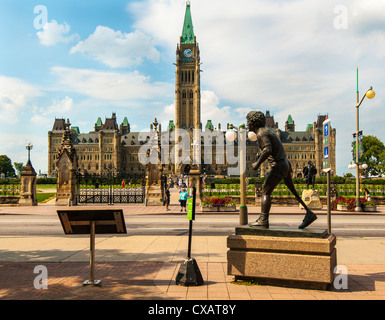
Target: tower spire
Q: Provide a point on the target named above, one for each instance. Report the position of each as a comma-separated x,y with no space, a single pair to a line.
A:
188,29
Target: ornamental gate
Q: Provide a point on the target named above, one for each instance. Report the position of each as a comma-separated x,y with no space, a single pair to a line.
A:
109,188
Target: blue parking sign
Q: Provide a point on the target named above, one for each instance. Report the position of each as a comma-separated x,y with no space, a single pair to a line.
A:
326,152
326,129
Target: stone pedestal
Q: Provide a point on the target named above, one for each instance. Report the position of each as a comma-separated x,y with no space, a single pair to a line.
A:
28,186
154,192
66,193
154,195
311,199
283,256
195,181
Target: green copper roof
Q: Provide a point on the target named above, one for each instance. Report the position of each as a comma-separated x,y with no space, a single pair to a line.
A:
309,127
188,29
99,122
125,122
171,125
290,119
76,129
209,125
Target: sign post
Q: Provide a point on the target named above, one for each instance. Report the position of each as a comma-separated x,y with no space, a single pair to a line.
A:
190,217
326,166
189,273
92,222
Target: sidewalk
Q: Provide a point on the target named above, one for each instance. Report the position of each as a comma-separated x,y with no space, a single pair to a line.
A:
145,266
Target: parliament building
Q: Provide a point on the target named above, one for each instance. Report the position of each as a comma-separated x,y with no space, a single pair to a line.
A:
113,148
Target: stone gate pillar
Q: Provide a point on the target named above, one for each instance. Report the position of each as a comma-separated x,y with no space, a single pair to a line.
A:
66,169
28,186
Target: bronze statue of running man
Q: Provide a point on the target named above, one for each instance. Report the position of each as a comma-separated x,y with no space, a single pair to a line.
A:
271,149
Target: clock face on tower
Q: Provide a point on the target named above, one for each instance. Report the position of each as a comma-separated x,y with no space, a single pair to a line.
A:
187,53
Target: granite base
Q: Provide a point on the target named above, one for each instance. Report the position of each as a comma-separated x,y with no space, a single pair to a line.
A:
283,256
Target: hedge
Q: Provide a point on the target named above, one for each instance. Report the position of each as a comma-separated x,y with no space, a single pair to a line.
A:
46,180
320,180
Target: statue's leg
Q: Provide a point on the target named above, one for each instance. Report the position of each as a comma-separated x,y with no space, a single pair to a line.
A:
270,183
289,183
309,216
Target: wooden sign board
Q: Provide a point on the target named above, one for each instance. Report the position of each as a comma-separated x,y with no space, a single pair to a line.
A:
79,221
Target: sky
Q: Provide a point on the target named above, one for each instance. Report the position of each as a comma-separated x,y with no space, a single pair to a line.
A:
87,59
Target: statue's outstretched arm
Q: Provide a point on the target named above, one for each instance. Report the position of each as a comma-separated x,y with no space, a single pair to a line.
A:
262,156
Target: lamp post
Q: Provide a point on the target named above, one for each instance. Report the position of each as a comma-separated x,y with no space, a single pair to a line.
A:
29,147
370,94
363,166
231,135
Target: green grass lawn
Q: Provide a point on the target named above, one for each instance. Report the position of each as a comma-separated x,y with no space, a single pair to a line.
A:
44,197
46,186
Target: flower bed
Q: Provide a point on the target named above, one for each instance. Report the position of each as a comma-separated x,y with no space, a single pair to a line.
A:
218,203
349,204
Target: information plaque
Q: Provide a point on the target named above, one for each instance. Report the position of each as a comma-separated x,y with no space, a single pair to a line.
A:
92,222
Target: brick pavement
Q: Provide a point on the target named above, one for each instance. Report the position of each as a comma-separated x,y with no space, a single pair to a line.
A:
134,280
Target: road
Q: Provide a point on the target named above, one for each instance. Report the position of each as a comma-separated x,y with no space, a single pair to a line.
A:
343,226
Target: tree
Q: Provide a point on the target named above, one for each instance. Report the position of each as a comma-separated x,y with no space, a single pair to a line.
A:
19,167
373,155
6,166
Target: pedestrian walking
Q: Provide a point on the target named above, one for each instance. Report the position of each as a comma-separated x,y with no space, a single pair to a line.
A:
183,199
167,199
367,194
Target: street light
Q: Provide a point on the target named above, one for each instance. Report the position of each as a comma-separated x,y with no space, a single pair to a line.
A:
370,94
231,135
29,147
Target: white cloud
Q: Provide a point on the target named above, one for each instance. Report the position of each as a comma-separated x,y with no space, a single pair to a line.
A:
40,120
43,115
368,16
116,49
212,111
167,114
117,88
54,33
64,105
161,19
15,96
